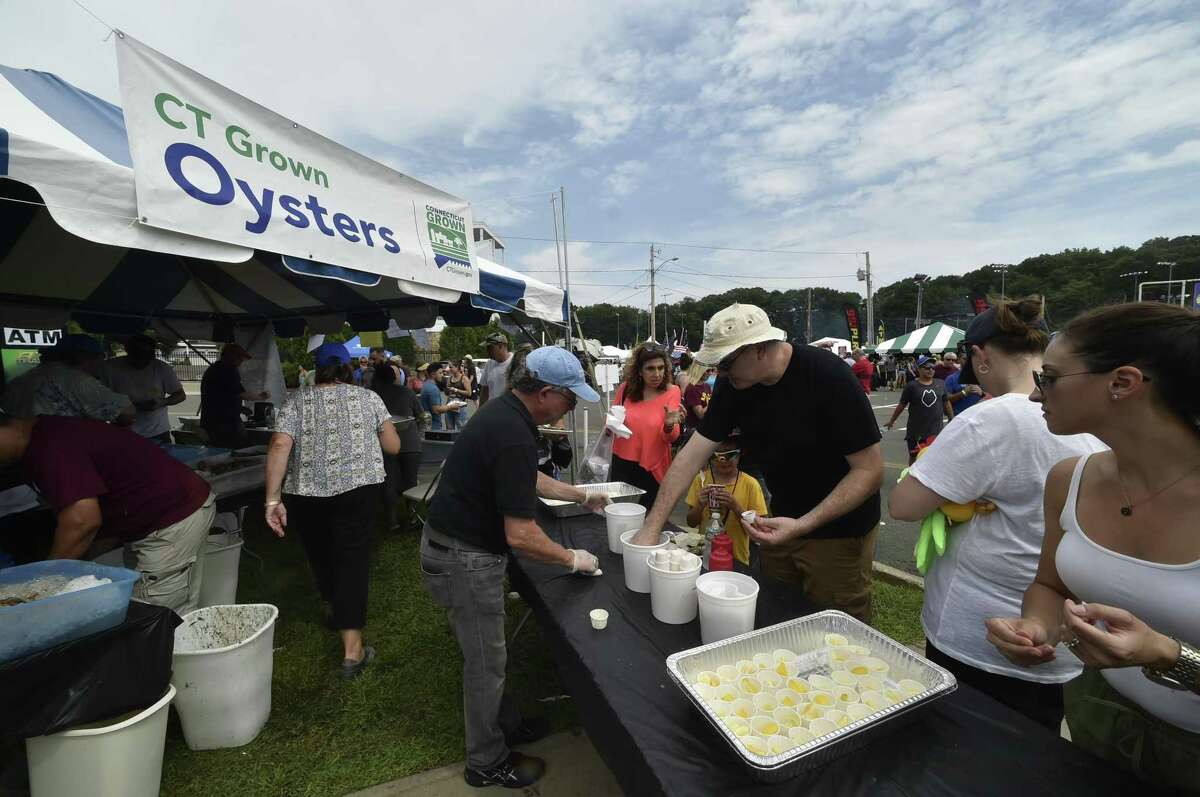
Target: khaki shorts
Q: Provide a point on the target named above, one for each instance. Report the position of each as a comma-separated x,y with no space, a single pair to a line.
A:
834,574
171,561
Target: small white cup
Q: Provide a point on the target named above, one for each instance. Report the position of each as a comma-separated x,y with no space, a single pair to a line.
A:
599,618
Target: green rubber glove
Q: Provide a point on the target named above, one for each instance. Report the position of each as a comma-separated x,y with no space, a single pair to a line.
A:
922,551
939,531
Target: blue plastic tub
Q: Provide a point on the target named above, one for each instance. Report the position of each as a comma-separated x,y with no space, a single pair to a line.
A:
29,627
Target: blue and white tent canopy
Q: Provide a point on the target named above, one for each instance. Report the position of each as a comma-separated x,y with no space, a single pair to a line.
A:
65,165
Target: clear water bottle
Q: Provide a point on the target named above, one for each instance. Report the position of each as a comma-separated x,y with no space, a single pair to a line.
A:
711,530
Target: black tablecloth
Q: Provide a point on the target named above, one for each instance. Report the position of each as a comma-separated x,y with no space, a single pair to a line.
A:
656,742
93,678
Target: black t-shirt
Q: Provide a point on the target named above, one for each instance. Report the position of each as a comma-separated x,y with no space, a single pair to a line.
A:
491,472
221,394
800,431
925,408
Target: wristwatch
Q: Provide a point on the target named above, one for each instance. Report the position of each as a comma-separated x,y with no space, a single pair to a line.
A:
1184,674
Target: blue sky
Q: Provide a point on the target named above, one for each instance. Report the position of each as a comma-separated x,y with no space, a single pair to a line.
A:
940,136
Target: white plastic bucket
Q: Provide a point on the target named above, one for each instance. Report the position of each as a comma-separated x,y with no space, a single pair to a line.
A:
621,518
723,616
122,756
223,663
673,593
222,555
637,575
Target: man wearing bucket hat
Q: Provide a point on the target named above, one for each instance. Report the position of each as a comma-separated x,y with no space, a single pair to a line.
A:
813,433
484,508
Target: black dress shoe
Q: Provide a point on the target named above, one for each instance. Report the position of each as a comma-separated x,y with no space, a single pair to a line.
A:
351,669
529,731
515,772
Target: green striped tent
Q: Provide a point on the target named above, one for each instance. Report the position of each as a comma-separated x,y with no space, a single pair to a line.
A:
933,339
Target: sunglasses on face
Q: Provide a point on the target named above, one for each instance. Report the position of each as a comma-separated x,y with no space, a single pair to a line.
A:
1044,381
569,395
727,456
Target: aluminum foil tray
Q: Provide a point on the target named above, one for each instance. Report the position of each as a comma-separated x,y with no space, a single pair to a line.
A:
806,637
618,492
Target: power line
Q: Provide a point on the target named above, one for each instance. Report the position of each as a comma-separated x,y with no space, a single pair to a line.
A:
684,246
759,277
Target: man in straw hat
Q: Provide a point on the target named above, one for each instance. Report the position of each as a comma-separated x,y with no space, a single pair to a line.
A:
812,430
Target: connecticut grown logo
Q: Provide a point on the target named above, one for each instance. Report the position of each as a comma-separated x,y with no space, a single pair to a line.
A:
448,237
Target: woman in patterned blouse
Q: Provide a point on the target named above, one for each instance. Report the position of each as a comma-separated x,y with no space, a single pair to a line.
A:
329,441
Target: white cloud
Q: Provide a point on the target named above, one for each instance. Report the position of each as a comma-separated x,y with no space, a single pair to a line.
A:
624,177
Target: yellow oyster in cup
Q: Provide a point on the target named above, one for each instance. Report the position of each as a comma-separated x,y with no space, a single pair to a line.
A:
749,686
838,717
779,744
709,678
726,693
822,682
764,725
874,700
800,735
813,712
737,725
821,727
770,680
858,711
744,708
836,640
763,661
878,667
843,678
705,691
858,667
870,683
756,745
911,687
845,694
823,699
839,656
787,717
765,703
727,673
859,650
721,708
894,695
746,667
799,686
788,698
783,655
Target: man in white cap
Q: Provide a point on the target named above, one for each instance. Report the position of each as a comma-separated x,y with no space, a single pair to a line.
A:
811,429
485,507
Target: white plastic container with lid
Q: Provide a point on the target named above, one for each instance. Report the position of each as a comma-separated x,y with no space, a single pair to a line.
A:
637,573
727,601
673,592
122,756
620,518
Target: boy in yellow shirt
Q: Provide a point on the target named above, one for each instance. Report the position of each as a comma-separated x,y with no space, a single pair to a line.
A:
722,487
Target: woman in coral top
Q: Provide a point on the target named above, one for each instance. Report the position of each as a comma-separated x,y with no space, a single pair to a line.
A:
654,415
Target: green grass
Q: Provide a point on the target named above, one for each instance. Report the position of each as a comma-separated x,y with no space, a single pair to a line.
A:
326,737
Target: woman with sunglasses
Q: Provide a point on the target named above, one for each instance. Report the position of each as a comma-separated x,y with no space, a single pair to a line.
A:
722,487
653,414
998,451
1118,585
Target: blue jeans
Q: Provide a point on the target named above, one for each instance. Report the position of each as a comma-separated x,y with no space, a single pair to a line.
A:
469,585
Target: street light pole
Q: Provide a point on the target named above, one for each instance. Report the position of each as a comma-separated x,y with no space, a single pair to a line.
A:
1135,275
920,279
1170,264
618,315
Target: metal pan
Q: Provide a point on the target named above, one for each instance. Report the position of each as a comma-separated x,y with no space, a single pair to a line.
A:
618,493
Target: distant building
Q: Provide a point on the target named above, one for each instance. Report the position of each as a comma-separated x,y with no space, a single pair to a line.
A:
487,243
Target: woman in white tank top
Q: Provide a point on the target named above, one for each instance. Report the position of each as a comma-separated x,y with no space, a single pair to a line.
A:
1119,579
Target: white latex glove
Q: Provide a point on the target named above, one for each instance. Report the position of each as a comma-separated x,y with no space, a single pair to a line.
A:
584,562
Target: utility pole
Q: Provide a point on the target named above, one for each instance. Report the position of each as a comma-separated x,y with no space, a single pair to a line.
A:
618,315
864,275
652,337
808,319
920,279
653,272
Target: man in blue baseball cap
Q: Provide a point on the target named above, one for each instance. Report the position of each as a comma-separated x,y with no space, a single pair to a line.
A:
485,507
926,400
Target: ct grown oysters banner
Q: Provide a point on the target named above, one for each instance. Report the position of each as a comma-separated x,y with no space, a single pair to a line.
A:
211,163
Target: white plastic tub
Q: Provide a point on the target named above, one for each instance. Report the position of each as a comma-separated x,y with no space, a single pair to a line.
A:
637,574
223,663
722,614
222,555
621,518
673,592
115,757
